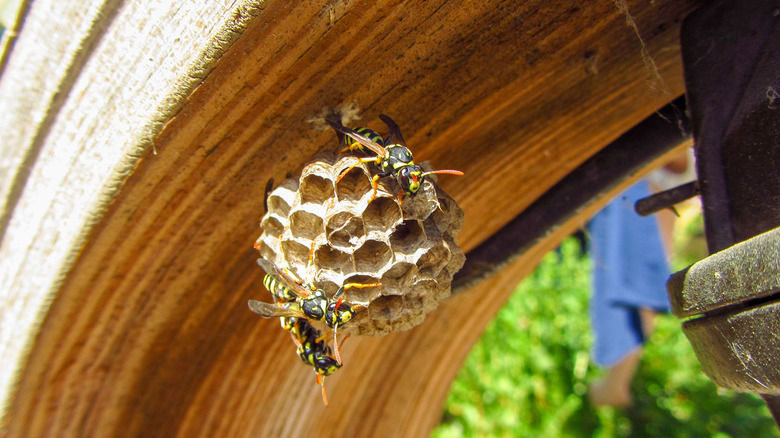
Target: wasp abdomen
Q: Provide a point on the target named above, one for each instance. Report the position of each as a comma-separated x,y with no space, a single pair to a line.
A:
277,289
351,144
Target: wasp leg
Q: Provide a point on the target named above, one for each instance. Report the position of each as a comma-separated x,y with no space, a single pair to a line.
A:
295,278
311,259
336,350
322,337
292,275
295,339
336,353
346,286
374,187
351,147
282,321
338,296
287,271
374,160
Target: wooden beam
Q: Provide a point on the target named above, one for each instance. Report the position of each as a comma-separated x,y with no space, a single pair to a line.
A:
83,94
651,139
127,272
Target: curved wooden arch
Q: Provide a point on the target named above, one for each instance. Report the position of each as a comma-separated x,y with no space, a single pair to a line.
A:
146,331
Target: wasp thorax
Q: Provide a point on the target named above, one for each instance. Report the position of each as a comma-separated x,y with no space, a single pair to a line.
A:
331,234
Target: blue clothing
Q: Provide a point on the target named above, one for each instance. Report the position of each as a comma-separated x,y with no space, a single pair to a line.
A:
629,271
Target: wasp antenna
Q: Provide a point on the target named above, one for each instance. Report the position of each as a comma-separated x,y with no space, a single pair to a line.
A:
346,286
336,349
321,382
336,326
336,344
447,171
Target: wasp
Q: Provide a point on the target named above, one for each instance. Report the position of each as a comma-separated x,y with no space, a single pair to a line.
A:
301,301
312,349
392,158
352,144
297,299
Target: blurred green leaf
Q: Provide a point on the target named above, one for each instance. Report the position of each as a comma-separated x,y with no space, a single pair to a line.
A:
528,375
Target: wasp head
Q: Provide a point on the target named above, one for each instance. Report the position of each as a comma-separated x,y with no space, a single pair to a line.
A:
325,365
410,179
338,313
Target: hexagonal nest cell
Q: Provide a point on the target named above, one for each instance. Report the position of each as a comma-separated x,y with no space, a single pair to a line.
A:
330,233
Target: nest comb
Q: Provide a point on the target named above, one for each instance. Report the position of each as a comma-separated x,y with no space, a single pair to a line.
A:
328,234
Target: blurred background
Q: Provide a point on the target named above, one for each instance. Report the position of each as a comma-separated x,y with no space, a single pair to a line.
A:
529,373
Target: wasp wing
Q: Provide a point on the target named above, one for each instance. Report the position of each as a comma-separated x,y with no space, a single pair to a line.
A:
268,310
395,131
360,138
274,271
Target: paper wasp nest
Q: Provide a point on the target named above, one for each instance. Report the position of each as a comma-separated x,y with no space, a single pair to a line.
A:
409,248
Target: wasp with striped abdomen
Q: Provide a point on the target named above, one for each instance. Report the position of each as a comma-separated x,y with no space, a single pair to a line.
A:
312,349
299,301
392,156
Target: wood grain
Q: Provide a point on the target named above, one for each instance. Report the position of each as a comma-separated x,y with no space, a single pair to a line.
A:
148,332
77,120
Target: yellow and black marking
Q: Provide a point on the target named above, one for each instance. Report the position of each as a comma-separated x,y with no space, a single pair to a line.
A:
308,302
392,158
278,290
312,302
297,305
350,144
312,350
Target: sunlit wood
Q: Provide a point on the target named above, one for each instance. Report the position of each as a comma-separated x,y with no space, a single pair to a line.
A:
127,273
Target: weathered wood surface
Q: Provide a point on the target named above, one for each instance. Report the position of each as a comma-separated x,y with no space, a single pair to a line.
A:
146,330
75,120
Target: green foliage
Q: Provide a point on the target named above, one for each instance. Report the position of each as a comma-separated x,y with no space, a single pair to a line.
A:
690,244
528,375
